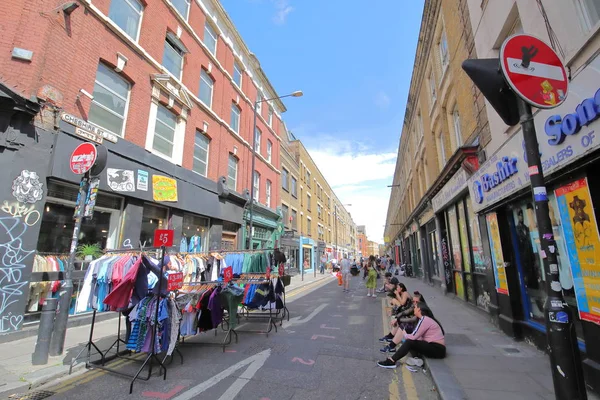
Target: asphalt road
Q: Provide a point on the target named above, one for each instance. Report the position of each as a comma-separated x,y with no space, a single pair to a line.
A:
328,350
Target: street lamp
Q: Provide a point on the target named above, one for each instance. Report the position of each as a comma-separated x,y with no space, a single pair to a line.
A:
297,93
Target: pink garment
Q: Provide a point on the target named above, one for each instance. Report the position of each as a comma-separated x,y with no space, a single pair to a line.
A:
121,294
427,330
117,271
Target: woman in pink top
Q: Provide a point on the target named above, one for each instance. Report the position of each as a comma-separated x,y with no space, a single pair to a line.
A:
427,339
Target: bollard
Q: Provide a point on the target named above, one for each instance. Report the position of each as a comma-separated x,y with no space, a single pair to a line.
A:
42,346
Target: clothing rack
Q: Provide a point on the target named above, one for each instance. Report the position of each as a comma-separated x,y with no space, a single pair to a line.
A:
152,356
252,314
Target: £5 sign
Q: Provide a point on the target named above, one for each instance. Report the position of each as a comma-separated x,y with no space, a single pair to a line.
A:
163,237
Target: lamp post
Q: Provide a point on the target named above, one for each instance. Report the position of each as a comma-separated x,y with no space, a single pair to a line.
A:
297,93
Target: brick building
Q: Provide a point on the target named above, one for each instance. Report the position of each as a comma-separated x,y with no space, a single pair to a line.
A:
168,87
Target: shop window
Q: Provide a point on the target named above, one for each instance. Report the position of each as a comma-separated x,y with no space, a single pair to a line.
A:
210,38
153,218
111,98
57,220
164,131
201,144
205,92
229,237
182,7
456,251
127,14
194,237
462,223
232,167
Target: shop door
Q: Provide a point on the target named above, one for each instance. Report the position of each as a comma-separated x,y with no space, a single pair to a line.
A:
455,251
431,250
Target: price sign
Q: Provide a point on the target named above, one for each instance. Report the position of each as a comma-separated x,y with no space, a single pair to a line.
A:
163,237
227,274
175,281
281,269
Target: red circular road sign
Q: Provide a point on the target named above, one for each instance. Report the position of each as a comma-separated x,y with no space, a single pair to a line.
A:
83,158
534,71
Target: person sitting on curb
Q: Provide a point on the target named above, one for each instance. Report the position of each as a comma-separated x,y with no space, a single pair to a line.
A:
386,283
427,339
402,322
401,297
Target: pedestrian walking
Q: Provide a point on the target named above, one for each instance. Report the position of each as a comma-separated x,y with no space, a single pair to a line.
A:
345,270
371,277
323,262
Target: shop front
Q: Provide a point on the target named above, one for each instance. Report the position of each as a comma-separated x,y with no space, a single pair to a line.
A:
307,259
266,227
291,248
500,192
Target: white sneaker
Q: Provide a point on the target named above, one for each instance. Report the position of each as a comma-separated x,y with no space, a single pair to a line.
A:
414,361
369,295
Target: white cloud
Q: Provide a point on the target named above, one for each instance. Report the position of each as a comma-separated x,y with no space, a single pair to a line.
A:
382,100
282,10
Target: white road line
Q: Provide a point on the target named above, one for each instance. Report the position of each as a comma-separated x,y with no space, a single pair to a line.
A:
298,320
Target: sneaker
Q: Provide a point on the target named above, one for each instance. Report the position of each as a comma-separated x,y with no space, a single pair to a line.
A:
414,361
385,339
369,295
387,363
388,349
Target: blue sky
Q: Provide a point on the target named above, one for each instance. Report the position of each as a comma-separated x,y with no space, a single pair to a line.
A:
353,60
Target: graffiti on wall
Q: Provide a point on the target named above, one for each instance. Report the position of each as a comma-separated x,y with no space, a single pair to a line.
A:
446,261
27,188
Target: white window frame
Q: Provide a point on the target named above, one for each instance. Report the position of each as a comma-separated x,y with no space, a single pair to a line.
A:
442,150
257,140
207,153
141,13
584,16
203,76
187,11
268,185
456,126
284,182
177,50
238,67
444,55
269,150
233,159
270,116
259,101
122,133
293,192
238,117
178,136
211,30
308,201
256,184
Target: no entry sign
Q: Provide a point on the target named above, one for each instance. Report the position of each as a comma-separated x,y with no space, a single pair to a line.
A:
534,71
83,158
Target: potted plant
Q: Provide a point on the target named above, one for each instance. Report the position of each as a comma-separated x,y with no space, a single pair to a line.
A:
88,252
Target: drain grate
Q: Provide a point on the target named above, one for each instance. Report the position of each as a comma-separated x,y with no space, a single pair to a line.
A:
37,395
458,339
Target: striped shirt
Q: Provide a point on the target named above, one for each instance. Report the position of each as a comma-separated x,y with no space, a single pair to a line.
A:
427,330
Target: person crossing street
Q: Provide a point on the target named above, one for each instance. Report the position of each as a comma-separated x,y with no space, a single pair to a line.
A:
345,270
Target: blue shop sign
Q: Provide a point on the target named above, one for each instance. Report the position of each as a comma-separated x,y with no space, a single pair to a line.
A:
505,168
586,112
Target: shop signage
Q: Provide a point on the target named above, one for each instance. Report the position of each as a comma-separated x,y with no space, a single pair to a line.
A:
83,158
505,168
583,245
89,135
120,180
163,188
174,281
142,180
534,71
288,234
163,237
557,149
451,189
86,126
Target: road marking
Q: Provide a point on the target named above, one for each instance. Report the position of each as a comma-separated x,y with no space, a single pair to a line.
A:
298,320
301,361
407,379
315,337
256,362
164,396
324,326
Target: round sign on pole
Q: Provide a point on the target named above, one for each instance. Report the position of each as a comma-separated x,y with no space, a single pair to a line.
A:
83,158
534,71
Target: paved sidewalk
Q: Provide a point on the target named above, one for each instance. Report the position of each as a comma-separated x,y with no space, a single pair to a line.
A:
17,374
482,362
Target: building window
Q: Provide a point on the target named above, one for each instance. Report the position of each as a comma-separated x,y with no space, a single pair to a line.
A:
206,88
111,98
444,57
259,101
237,74
127,14
308,201
419,127
232,167
269,150
182,7
284,179
173,56
442,150
201,154
270,116
294,187
164,131
308,226
307,178
256,184
432,91
268,193
257,140
285,211
456,123
589,13
235,118
210,38
320,211
294,219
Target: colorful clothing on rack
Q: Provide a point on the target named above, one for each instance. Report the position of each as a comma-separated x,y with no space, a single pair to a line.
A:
148,325
39,291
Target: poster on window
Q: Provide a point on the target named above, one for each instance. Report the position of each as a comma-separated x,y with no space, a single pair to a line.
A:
583,245
497,257
163,188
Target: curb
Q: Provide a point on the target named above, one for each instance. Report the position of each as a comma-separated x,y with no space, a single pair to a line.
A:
445,382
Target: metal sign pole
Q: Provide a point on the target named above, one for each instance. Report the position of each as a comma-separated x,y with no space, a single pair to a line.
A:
567,370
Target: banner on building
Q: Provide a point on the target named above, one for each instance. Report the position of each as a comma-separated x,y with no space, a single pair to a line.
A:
163,188
583,245
497,257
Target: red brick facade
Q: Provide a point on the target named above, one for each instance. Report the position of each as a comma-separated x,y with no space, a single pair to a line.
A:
67,50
